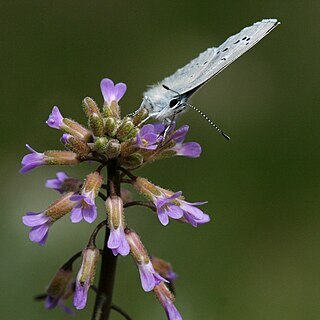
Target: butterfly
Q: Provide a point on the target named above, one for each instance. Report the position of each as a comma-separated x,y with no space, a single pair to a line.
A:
166,99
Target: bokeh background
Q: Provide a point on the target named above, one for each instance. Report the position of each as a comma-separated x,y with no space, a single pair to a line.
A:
259,258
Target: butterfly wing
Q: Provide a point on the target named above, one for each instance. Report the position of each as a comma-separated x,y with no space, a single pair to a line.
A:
208,64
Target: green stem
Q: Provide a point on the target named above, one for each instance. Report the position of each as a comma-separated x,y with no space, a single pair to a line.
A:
103,302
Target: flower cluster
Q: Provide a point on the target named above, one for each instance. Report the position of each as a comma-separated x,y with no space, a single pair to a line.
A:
121,145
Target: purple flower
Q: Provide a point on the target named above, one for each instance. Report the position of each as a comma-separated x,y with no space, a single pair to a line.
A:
149,136
39,223
63,183
85,276
32,160
58,183
149,277
171,205
167,207
189,149
85,209
112,92
164,268
166,299
55,119
117,241
59,289
192,214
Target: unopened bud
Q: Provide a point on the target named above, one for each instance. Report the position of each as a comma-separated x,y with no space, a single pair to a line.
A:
52,157
133,161
100,145
58,287
140,116
85,276
75,144
111,110
110,126
90,107
76,129
113,149
95,123
125,129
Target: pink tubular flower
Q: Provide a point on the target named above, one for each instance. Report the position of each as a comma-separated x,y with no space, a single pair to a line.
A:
112,92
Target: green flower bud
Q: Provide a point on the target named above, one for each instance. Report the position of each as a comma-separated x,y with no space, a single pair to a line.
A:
110,126
125,129
111,110
95,123
90,107
113,149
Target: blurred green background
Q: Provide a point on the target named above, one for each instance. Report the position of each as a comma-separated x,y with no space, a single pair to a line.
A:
259,258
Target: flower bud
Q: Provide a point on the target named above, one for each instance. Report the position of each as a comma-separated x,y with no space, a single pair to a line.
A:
90,107
113,149
133,161
117,240
75,144
95,123
100,145
85,276
93,183
148,276
111,109
110,126
58,287
125,129
140,116
166,298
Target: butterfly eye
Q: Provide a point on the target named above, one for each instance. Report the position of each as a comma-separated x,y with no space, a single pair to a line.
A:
174,102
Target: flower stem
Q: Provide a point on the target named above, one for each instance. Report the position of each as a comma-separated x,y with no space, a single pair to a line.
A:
103,302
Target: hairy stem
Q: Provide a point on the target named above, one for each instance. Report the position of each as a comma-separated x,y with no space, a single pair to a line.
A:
103,302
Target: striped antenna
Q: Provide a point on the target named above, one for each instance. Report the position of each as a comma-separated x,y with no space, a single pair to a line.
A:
209,120
199,111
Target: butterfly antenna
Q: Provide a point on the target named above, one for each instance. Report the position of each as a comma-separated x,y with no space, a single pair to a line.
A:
209,120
